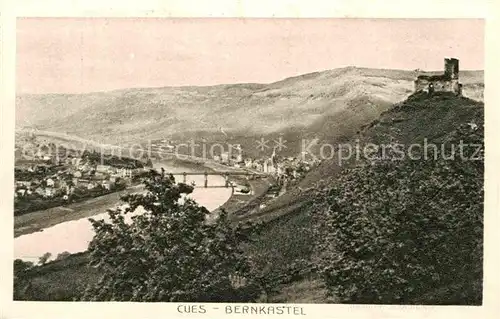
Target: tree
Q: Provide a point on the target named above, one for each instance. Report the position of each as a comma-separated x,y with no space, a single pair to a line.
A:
63,255
170,252
22,285
43,259
400,231
20,266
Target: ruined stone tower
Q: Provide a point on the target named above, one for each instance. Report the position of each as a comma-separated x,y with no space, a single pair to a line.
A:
451,68
447,82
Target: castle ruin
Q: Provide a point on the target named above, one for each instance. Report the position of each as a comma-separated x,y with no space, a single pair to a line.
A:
447,82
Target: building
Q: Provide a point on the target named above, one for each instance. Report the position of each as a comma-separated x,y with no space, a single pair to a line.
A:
76,161
224,157
40,191
23,183
258,166
85,167
100,175
50,182
280,169
21,192
103,168
248,162
268,166
68,190
447,82
83,183
124,172
61,184
50,192
106,185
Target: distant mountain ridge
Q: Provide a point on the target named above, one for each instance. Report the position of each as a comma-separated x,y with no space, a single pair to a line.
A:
328,103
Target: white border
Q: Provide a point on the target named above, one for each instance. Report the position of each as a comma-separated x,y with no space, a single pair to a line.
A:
245,8
253,8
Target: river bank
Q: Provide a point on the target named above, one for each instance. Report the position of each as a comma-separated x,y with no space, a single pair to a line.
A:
36,221
39,220
66,228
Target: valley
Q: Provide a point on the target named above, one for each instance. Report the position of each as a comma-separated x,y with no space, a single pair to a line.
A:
340,106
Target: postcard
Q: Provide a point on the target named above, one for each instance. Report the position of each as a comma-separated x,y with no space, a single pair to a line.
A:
236,161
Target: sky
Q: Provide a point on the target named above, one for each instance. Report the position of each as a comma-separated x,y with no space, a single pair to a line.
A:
77,55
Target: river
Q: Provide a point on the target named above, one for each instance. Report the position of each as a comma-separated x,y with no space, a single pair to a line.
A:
74,236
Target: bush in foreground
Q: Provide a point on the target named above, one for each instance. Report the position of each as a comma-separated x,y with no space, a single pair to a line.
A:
169,253
406,231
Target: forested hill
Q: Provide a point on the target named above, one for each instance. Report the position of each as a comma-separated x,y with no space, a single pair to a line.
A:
397,227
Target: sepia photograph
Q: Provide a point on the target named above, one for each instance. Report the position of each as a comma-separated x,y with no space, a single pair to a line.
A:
260,162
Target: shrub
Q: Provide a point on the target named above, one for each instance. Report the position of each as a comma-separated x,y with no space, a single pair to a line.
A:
43,259
395,231
20,266
63,255
170,252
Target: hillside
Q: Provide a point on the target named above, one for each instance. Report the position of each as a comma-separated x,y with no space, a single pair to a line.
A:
371,201
322,105
444,197
423,119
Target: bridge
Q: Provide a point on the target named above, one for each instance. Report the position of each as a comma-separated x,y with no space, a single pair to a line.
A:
226,175
122,151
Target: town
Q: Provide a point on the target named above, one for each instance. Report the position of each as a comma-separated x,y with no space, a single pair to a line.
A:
283,171
54,176
49,175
